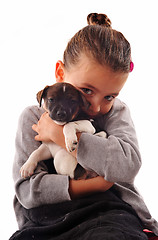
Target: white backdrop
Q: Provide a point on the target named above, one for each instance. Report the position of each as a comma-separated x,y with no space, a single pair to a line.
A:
34,34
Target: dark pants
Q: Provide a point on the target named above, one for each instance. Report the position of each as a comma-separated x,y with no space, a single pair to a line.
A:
102,216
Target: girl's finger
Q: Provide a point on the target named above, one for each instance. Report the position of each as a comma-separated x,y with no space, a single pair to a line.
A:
37,138
34,127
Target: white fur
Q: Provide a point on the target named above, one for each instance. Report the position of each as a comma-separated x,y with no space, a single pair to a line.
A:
64,162
70,129
101,134
64,88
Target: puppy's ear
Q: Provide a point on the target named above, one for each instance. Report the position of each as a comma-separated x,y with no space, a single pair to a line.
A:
41,94
84,103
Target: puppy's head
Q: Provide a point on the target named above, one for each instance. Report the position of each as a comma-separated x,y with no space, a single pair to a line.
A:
62,101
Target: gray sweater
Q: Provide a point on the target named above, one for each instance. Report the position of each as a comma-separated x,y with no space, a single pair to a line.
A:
117,158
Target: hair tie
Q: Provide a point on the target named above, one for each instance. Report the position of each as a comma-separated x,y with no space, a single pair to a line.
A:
131,66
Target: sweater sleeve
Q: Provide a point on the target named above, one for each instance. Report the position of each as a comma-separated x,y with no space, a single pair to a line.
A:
41,188
117,158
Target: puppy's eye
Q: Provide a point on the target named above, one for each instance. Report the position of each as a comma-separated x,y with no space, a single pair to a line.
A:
74,102
51,100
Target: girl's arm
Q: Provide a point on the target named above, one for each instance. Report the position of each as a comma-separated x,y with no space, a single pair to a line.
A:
117,158
49,131
43,188
81,188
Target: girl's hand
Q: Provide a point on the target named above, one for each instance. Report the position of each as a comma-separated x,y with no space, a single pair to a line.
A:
79,188
48,130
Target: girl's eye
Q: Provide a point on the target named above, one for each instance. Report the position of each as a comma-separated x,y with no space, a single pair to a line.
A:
87,91
109,98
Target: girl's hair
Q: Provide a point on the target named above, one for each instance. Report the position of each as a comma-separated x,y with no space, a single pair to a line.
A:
99,41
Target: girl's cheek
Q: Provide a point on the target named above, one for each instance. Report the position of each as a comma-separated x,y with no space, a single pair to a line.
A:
106,108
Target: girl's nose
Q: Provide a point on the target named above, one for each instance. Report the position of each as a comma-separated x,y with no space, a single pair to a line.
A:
95,106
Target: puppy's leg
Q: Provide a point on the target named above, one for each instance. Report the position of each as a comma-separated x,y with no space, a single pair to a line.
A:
65,163
101,134
70,130
53,148
42,153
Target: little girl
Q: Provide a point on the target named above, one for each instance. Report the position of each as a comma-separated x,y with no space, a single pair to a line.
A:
97,61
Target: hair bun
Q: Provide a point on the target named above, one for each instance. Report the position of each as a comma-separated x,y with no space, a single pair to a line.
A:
98,19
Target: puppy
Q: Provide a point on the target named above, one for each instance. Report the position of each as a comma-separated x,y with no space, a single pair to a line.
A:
65,105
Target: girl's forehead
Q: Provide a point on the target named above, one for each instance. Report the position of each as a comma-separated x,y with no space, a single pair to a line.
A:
88,67
88,73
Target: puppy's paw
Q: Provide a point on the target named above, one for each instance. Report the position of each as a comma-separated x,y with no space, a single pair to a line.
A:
71,143
27,169
70,130
101,134
71,140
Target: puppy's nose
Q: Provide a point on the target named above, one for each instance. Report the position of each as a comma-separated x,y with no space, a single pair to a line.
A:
61,113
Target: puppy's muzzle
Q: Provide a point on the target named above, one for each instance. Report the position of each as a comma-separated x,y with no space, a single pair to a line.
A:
59,114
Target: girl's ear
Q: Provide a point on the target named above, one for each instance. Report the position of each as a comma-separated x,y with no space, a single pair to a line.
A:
59,71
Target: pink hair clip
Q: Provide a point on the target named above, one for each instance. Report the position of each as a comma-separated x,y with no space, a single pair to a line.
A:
131,66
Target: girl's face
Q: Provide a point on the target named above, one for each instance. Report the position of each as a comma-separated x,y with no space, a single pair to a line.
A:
98,83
